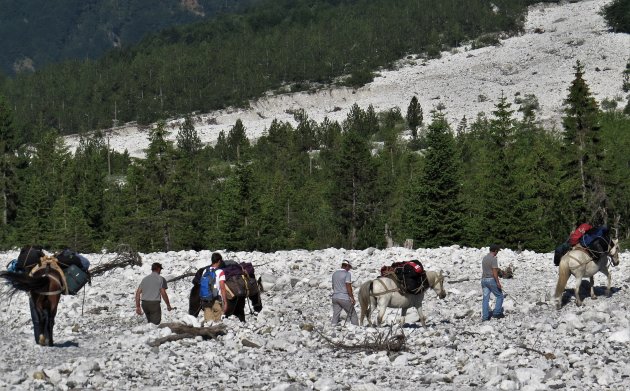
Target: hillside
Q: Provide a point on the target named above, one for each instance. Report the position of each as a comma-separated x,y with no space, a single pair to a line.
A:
279,45
34,33
466,81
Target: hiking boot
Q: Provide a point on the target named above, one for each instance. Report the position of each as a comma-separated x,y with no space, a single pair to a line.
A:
500,316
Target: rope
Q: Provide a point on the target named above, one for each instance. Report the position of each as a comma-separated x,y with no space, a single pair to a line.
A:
48,261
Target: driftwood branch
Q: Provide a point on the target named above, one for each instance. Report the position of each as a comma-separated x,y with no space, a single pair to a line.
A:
387,341
181,331
185,275
548,356
126,256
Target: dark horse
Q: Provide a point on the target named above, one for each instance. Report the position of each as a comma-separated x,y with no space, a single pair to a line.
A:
44,286
235,306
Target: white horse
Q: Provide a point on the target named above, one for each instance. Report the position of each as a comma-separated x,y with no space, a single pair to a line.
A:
579,263
384,292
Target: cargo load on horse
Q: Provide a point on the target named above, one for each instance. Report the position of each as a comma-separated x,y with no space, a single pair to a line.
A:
240,285
29,257
240,280
73,265
410,275
594,239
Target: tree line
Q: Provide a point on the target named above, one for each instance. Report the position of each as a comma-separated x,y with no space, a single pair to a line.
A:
374,179
276,45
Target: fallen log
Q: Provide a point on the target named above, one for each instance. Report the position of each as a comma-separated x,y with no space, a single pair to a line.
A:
185,275
181,331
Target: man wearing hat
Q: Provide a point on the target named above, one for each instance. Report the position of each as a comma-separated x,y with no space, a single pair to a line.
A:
342,297
490,284
151,289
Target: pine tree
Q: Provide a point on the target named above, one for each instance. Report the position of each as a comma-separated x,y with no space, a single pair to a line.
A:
353,195
583,152
433,211
414,116
160,186
626,77
8,169
237,142
188,140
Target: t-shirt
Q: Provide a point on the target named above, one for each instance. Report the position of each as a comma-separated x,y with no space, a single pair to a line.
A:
339,280
219,275
151,286
488,263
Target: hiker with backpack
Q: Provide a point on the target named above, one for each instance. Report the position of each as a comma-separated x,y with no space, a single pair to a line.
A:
212,290
150,290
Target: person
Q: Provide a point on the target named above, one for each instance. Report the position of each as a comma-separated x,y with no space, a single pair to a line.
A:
150,290
342,296
490,284
214,308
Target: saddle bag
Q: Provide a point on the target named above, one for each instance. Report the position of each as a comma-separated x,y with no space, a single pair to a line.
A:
241,286
29,257
75,278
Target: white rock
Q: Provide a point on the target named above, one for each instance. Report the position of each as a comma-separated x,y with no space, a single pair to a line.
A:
325,384
620,336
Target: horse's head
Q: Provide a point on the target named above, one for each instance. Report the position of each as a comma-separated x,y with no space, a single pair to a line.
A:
438,285
613,251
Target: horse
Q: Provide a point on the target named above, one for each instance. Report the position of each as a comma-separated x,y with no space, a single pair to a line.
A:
579,263
45,284
235,305
384,292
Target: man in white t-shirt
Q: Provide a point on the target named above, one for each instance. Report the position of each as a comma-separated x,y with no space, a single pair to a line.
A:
215,308
342,296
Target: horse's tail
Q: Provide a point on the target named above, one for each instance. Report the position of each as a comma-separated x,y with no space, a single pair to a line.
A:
24,282
194,301
564,272
364,300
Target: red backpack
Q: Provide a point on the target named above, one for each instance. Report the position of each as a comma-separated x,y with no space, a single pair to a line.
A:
574,238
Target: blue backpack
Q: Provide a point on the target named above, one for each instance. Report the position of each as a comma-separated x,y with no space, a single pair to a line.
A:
207,290
595,233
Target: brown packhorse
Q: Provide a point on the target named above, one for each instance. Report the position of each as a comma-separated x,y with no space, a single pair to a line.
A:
45,284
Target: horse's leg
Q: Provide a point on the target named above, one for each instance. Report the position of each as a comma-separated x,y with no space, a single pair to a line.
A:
403,315
43,327
609,278
383,302
51,320
592,282
421,317
371,307
578,282
239,309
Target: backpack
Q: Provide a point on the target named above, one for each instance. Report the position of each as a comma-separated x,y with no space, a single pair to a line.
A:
593,234
574,238
207,289
13,267
76,278
68,257
29,257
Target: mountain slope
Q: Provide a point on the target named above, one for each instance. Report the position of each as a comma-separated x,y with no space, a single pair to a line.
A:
465,81
34,33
